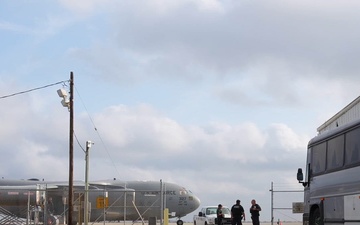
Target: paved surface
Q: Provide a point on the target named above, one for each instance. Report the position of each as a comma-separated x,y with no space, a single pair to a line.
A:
173,223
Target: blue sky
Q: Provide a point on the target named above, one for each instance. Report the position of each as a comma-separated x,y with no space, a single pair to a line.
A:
219,96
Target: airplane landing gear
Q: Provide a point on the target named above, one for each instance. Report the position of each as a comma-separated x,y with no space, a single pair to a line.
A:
52,220
179,222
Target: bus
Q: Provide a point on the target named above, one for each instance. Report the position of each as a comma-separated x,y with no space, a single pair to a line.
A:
332,177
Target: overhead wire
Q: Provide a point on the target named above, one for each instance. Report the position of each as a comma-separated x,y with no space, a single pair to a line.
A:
33,89
97,132
91,120
77,140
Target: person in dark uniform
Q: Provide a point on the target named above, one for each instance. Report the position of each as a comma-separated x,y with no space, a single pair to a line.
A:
237,213
219,214
254,210
50,206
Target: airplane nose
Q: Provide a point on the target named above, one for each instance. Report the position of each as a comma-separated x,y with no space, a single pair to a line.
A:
196,202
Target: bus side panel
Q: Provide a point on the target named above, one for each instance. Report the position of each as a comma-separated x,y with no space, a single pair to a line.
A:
334,208
352,208
306,206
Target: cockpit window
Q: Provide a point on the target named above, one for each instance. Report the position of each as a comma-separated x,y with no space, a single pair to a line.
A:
183,191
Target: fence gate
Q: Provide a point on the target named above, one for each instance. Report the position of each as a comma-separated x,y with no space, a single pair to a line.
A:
287,191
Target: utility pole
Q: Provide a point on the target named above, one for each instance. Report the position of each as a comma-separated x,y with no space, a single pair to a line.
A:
161,202
71,149
272,203
86,199
69,103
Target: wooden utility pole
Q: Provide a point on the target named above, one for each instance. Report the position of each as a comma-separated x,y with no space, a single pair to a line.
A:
71,150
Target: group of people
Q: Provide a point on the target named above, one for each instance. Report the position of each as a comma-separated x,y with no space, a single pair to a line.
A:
238,213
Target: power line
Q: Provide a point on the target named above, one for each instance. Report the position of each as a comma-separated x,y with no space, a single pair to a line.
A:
33,89
97,132
79,142
91,120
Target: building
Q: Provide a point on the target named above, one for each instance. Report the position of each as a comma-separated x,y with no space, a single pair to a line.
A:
348,114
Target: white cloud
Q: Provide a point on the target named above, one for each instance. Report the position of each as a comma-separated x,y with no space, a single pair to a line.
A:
285,138
84,7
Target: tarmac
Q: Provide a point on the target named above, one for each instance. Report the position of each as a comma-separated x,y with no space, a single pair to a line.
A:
174,223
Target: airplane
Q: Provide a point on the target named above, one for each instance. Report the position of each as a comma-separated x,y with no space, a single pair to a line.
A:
109,200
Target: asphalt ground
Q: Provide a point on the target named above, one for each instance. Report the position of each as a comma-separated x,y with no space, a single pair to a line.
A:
174,223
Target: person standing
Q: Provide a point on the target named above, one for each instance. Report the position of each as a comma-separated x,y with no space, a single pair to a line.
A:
237,213
50,206
219,214
254,210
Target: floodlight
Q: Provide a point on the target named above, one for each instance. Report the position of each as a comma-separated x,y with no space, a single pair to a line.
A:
65,103
88,144
62,93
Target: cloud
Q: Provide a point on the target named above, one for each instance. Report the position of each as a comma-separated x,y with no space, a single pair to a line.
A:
274,45
84,8
150,140
143,135
282,136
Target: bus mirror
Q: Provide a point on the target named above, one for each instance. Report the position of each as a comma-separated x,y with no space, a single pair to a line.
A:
300,175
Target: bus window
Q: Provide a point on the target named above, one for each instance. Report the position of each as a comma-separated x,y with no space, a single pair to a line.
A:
335,153
352,147
318,158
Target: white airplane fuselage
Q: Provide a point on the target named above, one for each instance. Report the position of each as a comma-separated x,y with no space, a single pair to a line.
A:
110,200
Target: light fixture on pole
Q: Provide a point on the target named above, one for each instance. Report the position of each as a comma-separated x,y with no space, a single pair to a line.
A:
65,101
69,103
86,200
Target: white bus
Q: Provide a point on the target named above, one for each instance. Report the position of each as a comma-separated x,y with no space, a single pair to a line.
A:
332,178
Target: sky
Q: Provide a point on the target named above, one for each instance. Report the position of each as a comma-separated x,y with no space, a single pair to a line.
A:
219,96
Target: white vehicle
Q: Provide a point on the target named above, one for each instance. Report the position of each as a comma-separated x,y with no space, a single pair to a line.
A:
207,216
